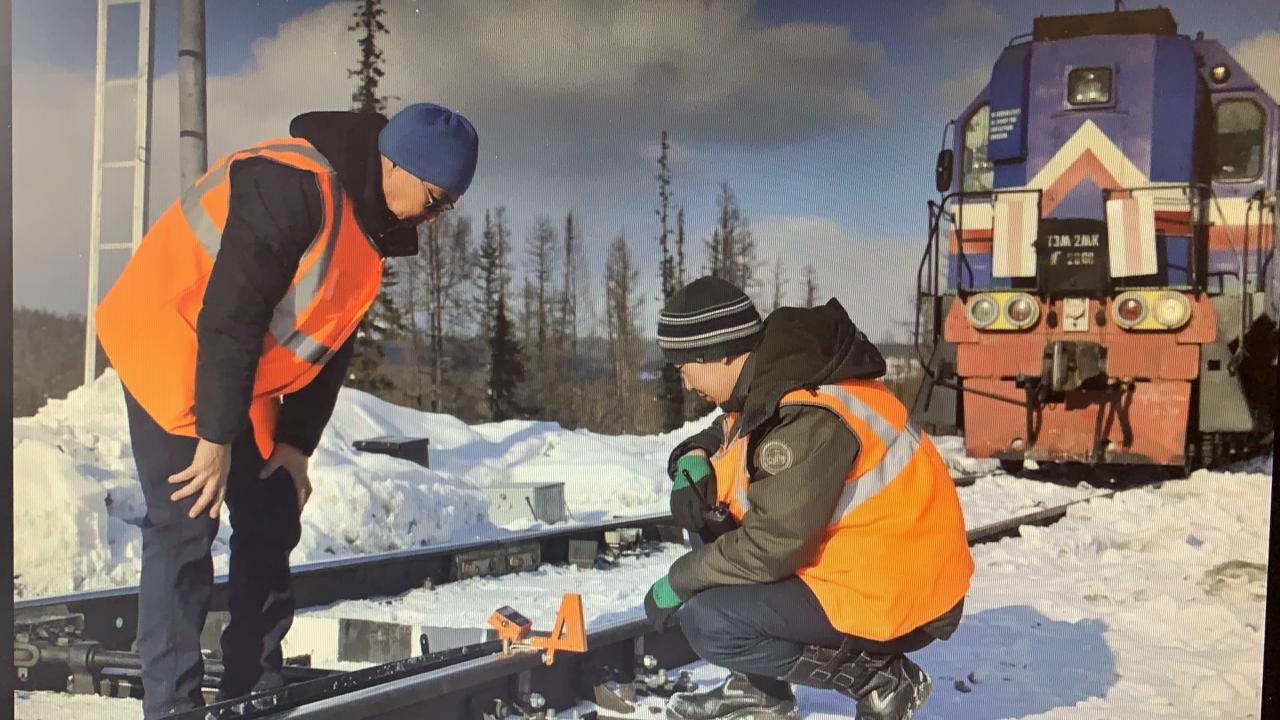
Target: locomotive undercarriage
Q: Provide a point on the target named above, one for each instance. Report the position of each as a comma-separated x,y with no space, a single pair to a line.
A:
1073,411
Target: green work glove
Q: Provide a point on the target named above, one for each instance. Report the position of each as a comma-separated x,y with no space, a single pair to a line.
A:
693,491
692,467
661,603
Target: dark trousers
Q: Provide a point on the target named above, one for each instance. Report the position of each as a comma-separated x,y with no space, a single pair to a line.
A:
177,570
761,630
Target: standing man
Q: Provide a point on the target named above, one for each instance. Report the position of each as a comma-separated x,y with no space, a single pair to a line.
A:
837,544
231,329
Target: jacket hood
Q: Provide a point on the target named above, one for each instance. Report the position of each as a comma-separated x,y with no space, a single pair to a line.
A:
349,141
805,348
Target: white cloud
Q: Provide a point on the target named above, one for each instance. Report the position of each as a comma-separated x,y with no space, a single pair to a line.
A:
569,97
967,35
874,279
964,21
1260,56
957,93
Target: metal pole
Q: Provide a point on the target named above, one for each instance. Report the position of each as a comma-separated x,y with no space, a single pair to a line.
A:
142,132
95,195
192,127
6,276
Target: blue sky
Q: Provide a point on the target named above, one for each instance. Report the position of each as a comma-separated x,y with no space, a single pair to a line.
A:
824,116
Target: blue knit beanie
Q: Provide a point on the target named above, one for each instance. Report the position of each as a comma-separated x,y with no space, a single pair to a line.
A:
434,144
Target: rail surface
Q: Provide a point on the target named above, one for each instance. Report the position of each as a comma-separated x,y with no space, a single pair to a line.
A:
111,616
498,685
470,681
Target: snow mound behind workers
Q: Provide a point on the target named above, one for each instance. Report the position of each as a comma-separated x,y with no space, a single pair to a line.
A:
69,509
79,506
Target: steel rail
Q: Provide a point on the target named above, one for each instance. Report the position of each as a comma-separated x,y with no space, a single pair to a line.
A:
407,697
110,616
465,689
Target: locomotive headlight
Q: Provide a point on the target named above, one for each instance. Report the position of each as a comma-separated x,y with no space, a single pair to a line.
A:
1172,310
982,311
1089,86
1129,310
1022,310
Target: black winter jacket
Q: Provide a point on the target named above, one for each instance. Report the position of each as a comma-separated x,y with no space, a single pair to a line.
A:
274,215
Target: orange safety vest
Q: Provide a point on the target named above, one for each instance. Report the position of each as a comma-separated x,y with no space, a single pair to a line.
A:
894,555
147,322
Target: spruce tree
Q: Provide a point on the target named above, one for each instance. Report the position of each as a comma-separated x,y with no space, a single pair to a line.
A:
731,251
670,270
779,285
506,370
504,367
569,289
540,256
487,276
681,275
369,70
810,286
384,322
622,310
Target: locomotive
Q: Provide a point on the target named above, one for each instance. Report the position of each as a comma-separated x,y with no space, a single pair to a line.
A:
1107,292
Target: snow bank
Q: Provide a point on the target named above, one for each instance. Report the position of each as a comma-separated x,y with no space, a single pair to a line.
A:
78,506
1146,605
68,507
1150,604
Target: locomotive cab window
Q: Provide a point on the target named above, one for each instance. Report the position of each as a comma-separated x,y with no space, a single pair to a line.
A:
1089,86
978,174
1239,128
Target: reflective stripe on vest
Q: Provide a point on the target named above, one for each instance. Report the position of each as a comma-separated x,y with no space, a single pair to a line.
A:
900,447
208,231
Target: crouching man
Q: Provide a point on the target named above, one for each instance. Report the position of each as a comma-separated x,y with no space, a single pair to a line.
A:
835,544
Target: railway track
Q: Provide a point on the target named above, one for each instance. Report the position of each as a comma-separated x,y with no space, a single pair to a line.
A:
109,617
624,661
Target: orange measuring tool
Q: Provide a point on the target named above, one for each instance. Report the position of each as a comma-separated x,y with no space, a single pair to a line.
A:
569,633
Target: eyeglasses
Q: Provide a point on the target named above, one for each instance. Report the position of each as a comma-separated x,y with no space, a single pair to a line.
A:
434,205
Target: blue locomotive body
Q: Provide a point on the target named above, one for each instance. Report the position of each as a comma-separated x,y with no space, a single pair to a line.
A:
1109,215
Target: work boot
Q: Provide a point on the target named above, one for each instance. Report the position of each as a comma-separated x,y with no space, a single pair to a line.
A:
735,699
896,691
887,687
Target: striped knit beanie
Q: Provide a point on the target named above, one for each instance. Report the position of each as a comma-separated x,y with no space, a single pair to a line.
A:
708,319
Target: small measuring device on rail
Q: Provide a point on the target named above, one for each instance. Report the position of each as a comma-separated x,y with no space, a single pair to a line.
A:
569,633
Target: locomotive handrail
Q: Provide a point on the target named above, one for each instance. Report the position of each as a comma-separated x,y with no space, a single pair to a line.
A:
1242,274
1259,200
959,226
936,211
929,254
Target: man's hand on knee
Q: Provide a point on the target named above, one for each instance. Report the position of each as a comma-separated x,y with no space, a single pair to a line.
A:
296,463
207,475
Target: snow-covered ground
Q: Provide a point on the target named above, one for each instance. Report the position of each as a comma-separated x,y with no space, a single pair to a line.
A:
76,489
1146,605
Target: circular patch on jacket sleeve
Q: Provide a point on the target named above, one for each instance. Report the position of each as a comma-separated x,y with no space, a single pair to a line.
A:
776,456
